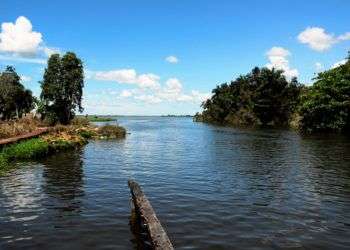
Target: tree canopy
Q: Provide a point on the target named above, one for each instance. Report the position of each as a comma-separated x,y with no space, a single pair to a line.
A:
62,87
262,97
15,100
325,107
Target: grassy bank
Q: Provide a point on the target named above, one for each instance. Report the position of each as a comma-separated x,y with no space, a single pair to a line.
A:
95,118
58,139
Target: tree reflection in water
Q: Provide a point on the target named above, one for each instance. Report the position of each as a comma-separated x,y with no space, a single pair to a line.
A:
63,181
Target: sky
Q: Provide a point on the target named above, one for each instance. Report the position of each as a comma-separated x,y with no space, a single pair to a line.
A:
165,57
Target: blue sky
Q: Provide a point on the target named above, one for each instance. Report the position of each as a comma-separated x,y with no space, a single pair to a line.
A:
165,57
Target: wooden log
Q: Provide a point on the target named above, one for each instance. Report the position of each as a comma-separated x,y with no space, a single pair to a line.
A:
15,139
157,235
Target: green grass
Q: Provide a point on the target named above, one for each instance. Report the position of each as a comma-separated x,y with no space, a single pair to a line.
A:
30,149
100,119
86,134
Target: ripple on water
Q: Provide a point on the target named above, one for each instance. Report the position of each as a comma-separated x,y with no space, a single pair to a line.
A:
212,188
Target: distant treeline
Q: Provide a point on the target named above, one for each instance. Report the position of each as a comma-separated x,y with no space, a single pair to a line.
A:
264,97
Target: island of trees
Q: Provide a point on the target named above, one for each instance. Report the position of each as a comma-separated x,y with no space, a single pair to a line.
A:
264,97
54,112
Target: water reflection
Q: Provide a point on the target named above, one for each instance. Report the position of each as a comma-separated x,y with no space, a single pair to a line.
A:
212,188
63,182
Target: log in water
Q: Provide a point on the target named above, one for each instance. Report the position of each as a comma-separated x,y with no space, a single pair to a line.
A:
157,234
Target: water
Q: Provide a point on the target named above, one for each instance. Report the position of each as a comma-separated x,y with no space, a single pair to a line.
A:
212,188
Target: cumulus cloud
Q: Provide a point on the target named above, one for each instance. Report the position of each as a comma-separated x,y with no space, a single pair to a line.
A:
19,42
278,59
149,89
172,59
318,39
19,37
173,85
128,76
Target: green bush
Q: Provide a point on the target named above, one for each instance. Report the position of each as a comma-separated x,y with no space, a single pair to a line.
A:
86,134
33,148
112,131
80,121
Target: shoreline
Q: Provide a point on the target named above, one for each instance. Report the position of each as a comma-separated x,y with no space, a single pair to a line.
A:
47,141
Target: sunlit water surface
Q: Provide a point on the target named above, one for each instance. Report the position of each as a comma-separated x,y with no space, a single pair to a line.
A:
212,188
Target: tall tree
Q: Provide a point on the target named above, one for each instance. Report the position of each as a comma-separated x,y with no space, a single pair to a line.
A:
62,87
326,105
15,100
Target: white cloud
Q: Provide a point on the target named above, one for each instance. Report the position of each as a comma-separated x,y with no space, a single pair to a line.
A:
50,51
22,59
337,64
319,67
148,81
149,99
25,78
278,59
129,76
173,85
19,38
344,37
119,76
318,39
19,41
126,93
149,89
172,59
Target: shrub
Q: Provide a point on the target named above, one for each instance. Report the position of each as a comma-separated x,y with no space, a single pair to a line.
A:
87,134
112,131
80,121
17,127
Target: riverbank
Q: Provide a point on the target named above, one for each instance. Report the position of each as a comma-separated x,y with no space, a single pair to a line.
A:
32,145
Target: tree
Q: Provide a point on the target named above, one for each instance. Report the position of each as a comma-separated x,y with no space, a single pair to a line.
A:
15,100
261,97
62,87
274,97
325,107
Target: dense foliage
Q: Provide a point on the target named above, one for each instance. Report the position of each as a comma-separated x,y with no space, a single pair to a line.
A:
325,106
262,97
62,88
15,100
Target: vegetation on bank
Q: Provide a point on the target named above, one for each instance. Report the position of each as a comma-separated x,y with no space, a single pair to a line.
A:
61,96
95,118
265,97
15,127
59,138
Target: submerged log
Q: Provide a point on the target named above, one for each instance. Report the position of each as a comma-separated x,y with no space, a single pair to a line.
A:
158,237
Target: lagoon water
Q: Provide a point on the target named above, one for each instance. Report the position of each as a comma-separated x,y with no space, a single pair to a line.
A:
212,188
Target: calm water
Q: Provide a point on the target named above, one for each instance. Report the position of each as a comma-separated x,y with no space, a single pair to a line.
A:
212,188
